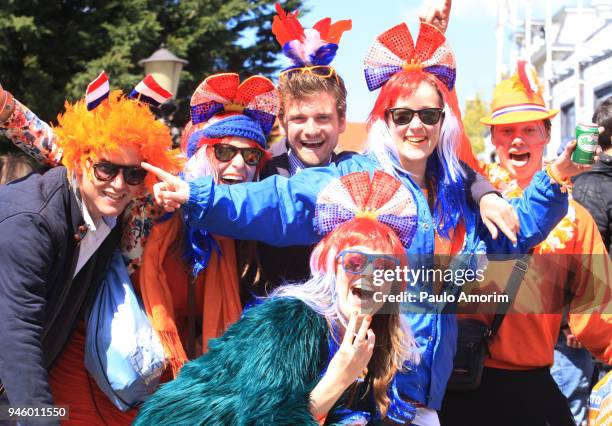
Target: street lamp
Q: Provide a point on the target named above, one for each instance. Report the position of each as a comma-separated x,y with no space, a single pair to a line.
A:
166,67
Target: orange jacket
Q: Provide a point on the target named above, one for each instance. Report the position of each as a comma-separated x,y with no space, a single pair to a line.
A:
572,257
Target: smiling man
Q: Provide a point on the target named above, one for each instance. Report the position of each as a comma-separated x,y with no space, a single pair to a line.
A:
312,117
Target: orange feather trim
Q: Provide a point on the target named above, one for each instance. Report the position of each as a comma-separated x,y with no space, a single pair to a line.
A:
286,27
332,33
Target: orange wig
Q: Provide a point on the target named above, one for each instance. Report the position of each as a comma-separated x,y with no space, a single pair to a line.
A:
116,123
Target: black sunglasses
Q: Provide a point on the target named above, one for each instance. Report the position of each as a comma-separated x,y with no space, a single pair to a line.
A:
105,171
225,152
403,116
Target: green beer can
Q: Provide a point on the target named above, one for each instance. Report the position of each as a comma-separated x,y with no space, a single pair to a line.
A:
587,135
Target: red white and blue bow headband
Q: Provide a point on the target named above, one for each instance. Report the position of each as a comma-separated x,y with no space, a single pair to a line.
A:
147,91
255,97
394,51
382,198
311,46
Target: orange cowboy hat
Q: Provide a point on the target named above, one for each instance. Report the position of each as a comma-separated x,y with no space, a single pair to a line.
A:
518,99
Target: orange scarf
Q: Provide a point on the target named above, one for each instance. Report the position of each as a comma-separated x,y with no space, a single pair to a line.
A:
221,304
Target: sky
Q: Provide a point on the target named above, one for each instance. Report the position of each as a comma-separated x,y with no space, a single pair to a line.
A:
471,33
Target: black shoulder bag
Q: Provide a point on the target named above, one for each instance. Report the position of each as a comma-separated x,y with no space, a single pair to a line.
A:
473,336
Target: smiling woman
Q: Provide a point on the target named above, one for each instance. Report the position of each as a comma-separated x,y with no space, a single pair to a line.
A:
118,179
58,234
226,140
232,157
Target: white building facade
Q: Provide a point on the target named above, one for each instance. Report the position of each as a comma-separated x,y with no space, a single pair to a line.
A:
578,73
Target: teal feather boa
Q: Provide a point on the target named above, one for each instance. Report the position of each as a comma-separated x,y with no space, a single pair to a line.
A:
260,372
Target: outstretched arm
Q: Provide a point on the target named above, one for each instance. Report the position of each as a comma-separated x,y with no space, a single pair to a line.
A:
28,132
278,210
496,213
542,206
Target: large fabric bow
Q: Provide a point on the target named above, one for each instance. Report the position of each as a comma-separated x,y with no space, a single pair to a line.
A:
394,51
381,198
255,97
312,46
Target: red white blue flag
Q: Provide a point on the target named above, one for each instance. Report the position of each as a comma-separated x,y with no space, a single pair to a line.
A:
97,91
150,92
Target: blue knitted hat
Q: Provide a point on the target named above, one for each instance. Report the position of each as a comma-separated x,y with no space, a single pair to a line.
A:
236,125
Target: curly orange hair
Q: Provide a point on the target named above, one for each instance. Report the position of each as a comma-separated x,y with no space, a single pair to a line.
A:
117,122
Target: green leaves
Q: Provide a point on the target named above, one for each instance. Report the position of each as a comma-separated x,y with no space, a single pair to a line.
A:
50,50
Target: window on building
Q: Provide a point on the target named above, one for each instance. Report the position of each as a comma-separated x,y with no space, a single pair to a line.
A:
602,94
568,121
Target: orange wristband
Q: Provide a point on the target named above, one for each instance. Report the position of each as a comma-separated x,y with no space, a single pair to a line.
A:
564,182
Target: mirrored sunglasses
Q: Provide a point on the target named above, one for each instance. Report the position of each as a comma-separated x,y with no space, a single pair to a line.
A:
105,171
355,262
225,152
403,116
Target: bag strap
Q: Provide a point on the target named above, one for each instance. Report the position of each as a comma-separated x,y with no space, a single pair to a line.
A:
516,277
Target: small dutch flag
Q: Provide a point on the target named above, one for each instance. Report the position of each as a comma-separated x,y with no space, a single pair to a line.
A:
150,92
97,91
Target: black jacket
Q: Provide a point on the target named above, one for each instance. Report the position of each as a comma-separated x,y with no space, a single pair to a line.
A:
40,301
593,189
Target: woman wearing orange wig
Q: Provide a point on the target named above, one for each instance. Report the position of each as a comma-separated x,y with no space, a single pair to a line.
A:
226,139
58,232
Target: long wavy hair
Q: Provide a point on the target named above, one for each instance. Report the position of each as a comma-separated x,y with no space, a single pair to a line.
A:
395,344
444,172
